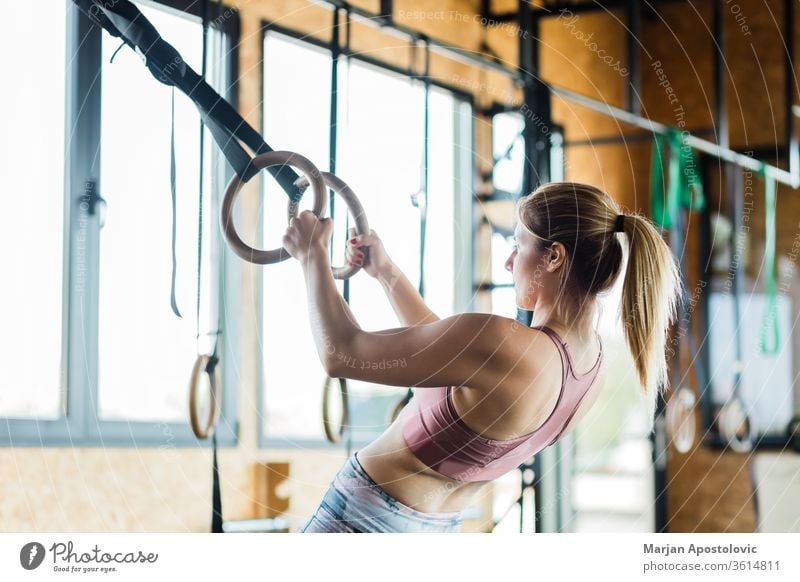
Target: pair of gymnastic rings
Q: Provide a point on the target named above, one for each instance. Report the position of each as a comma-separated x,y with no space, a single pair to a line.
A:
319,182
736,427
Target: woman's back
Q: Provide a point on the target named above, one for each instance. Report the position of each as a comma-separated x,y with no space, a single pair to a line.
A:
522,410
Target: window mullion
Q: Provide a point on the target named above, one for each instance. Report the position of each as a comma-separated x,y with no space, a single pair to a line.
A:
82,170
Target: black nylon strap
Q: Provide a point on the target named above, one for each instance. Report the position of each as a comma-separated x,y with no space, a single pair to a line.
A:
216,516
122,19
216,494
333,116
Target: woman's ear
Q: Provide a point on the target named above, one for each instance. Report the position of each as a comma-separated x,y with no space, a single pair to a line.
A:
556,255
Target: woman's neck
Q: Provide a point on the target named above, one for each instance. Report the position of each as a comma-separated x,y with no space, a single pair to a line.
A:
580,326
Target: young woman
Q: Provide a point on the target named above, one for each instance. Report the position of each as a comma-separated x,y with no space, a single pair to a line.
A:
489,393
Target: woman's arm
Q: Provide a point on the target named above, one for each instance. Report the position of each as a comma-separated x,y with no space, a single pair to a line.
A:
406,301
467,349
404,298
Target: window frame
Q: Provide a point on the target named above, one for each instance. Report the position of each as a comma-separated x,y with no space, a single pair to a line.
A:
79,423
463,212
558,173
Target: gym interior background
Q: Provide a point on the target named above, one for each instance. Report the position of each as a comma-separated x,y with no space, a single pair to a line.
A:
94,397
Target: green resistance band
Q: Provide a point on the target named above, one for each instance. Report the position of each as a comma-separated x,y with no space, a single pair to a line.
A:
769,324
685,184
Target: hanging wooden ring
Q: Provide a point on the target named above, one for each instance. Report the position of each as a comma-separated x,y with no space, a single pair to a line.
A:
680,421
267,160
736,427
204,365
333,435
356,211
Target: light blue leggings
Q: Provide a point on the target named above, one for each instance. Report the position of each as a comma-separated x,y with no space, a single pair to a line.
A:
354,503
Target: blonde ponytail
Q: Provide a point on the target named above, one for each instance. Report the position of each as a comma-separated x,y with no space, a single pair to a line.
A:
651,293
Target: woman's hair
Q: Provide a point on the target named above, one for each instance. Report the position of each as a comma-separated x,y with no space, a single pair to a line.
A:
582,218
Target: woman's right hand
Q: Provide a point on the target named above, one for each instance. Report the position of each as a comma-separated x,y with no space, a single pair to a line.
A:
376,261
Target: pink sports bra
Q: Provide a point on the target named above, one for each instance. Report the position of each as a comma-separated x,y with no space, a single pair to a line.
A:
437,436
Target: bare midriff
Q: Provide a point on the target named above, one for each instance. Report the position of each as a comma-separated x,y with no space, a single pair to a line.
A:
402,475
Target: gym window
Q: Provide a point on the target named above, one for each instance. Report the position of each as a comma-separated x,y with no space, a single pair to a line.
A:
379,153
32,227
508,147
103,221
508,151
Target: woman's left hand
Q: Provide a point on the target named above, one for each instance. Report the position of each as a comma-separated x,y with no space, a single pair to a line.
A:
307,234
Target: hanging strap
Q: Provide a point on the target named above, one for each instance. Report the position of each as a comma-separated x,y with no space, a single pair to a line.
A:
201,164
216,517
420,198
657,186
333,113
122,19
333,125
173,192
216,494
684,186
678,241
423,220
769,324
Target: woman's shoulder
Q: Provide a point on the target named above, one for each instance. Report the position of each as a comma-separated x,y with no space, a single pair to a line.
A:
533,360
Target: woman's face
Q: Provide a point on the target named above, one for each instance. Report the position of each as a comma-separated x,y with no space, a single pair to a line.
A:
531,269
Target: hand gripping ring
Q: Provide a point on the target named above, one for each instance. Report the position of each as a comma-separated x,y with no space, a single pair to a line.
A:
736,427
274,158
204,365
334,436
356,211
680,423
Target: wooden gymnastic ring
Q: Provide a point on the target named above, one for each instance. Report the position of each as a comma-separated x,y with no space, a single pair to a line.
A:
274,158
356,211
334,436
204,365
732,419
399,406
680,421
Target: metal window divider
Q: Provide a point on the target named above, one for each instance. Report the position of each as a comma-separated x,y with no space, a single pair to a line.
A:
345,426
420,198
